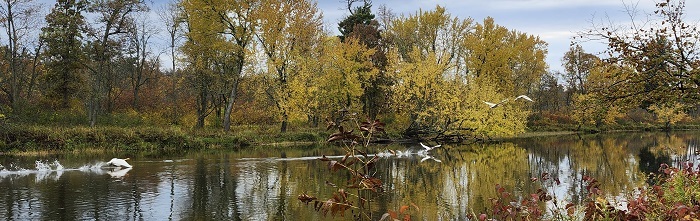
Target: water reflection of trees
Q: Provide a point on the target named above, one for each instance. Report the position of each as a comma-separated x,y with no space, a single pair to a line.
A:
222,186
619,161
463,183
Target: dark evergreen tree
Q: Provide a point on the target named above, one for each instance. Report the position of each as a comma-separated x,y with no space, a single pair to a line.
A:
63,38
361,25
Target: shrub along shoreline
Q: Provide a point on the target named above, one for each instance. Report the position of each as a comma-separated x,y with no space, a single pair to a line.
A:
25,138
19,138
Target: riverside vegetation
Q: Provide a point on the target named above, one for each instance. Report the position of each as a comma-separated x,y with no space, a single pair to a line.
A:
251,73
241,69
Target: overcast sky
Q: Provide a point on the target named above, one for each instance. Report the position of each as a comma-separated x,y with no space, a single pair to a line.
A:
554,21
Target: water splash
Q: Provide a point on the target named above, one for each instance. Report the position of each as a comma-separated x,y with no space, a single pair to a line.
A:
54,170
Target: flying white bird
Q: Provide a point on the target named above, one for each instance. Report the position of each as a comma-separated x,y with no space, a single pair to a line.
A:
524,97
427,148
492,105
119,162
430,157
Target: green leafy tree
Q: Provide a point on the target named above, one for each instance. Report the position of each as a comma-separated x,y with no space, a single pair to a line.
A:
362,25
64,53
359,16
207,56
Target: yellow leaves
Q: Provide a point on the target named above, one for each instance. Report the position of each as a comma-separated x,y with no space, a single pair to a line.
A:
513,60
590,109
586,107
331,78
420,85
669,114
435,98
444,68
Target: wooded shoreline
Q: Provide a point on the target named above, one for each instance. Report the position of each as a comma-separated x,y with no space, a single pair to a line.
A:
15,138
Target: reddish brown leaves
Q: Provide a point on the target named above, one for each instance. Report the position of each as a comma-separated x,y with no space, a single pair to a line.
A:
357,163
371,183
337,205
403,213
593,186
335,166
372,126
342,135
304,198
506,207
542,195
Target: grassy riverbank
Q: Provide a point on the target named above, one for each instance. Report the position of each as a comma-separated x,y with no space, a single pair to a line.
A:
21,138
26,138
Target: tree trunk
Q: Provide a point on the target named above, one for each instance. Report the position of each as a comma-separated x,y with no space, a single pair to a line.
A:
201,109
283,129
229,106
174,97
135,102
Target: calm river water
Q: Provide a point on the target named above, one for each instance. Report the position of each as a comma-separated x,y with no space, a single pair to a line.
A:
263,183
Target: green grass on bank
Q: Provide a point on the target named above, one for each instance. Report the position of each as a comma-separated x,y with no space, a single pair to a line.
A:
66,130
24,138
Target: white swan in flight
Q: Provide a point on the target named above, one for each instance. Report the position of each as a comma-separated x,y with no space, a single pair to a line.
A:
524,97
119,162
427,148
492,105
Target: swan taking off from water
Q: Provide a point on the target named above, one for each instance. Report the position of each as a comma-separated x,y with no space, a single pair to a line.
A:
119,162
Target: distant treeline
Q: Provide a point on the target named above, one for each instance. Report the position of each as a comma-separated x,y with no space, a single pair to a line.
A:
271,62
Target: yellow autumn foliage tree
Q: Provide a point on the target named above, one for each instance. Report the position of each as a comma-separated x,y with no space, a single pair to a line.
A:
445,68
512,60
591,109
207,53
332,79
287,32
668,114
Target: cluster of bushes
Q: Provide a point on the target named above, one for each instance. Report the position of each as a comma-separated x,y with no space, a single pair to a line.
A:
28,138
634,120
22,137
